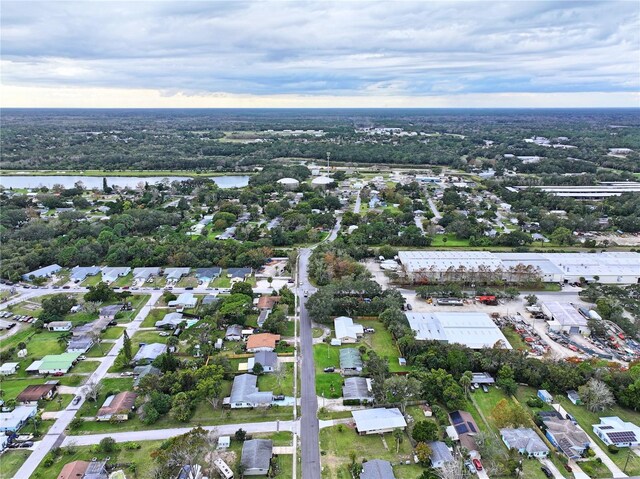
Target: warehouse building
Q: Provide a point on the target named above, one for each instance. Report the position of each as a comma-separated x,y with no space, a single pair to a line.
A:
473,330
565,318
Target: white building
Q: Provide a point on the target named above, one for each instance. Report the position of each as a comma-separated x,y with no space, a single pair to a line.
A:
378,420
615,431
346,330
565,318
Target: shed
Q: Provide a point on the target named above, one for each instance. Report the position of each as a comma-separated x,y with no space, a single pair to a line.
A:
9,368
545,396
574,397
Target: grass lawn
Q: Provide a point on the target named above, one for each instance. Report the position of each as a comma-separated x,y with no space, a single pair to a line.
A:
317,332
514,339
188,282
382,343
137,302
92,280
81,317
289,330
146,337
123,281
268,382
12,460
221,281
586,419
153,316
85,367
448,240
60,402
595,469
328,383
13,386
113,332
22,335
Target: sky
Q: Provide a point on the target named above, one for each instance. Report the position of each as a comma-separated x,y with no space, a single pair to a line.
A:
210,54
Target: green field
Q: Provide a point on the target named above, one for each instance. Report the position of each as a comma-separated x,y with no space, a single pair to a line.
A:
383,344
12,460
329,384
154,315
268,381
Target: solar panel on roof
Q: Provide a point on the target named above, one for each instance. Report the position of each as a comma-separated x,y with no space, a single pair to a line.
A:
455,417
472,427
625,436
461,428
606,427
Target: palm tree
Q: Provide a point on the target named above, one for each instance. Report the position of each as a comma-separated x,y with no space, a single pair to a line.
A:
465,382
397,435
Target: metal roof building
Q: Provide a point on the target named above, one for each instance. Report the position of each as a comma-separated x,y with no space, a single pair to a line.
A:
357,388
474,330
378,420
79,273
346,330
565,318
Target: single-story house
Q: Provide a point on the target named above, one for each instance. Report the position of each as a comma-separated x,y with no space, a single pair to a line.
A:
79,273
464,429
14,420
109,312
525,441
378,420
59,326
185,300
44,272
357,389
245,393
545,396
170,321
614,431
80,344
117,407
350,361
377,469
174,274
9,368
574,397
268,360
233,333
241,273
483,378
268,302
440,454
262,342
111,274
256,457
346,330
205,275
36,392
148,352
54,363
140,372
145,273
74,470
566,436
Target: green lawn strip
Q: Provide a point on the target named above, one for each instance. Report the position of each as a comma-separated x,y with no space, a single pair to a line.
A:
383,344
221,281
289,329
112,333
188,282
514,339
324,415
123,281
595,469
86,366
81,317
137,302
92,280
11,461
448,240
58,403
587,419
20,336
154,315
269,382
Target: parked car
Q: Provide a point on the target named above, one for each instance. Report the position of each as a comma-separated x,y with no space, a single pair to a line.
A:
306,293
26,444
409,307
279,397
568,468
330,369
126,373
76,400
477,464
547,472
82,358
369,330
58,374
164,333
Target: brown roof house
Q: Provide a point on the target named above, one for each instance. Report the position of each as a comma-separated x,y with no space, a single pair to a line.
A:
36,392
268,302
117,407
464,429
262,342
74,470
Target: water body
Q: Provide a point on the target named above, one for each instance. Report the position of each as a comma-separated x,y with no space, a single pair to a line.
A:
95,182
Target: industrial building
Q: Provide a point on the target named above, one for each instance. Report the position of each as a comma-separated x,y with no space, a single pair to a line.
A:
603,190
473,330
619,267
565,318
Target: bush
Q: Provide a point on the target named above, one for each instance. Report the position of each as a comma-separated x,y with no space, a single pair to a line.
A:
76,423
107,445
613,449
535,402
131,446
48,462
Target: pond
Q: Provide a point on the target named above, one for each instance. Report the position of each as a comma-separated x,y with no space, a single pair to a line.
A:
95,182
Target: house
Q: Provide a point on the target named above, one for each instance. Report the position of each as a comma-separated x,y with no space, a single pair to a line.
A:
144,274
350,361
111,274
614,431
346,330
233,333
574,397
80,273
139,372
357,390
117,407
525,441
174,274
9,368
262,342
59,326
45,272
148,352
545,396
377,469
464,429
268,360
256,457
378,420
74,470
244,393
240,273
190,472
268,302
185,300
54,363
170,321
440,454
80,344
14,420
109,312
36,392
566,436
205,275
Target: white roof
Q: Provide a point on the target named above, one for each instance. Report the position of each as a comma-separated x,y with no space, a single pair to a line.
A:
565,314
322,180
186,298
345,328
378,418
288,181
176,273
11,420
8,367
443,260
474,330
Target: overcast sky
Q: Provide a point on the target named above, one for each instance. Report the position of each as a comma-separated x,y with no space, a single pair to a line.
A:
320,54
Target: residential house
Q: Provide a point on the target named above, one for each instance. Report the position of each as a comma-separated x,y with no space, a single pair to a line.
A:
377,469
59,326
574,397
170,321
268,302
245,393
37,392
525,441
205,275
350,361
80,344
53,363
378,420
144,274
268,360
463,429
256,457
174,274
262,342
240,273
117,407
440,454
148,352
233,333
358,390
139,372
14,420
566,436
74,470
109,312
614,431
346,330
80,273
111,274
545,396
185,300
8,369
45,272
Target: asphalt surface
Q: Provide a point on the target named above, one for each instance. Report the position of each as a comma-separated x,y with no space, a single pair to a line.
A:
309,426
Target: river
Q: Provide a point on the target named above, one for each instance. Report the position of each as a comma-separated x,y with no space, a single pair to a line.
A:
95,182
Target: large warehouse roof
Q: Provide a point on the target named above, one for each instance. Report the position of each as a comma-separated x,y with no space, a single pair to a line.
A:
565,314
474,330
443,260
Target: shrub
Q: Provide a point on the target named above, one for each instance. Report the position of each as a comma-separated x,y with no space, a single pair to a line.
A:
613,449
107,445
535,402
48,462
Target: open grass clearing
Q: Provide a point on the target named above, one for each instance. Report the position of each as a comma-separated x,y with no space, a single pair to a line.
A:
269,381
383,344
12,460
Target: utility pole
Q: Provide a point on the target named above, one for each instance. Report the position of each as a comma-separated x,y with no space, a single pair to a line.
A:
328,158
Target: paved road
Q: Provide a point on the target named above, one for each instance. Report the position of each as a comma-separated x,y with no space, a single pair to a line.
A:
356,207
56,433
434,210
310,440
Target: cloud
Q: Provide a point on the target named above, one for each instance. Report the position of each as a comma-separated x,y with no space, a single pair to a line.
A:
277,50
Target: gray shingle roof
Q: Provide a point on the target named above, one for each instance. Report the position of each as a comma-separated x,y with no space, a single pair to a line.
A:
266,358
356,388
256,453
524,438
350,359
245,389
150,351
377,469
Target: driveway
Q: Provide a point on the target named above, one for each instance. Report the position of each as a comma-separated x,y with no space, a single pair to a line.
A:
552,467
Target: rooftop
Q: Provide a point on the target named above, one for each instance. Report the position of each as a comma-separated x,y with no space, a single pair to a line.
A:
378,418
565,314
256,453
262,340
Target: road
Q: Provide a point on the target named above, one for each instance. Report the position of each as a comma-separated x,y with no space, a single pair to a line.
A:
310,440
434,210
356,206
56,434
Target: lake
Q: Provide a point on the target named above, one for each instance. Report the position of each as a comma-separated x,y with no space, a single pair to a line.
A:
95,182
